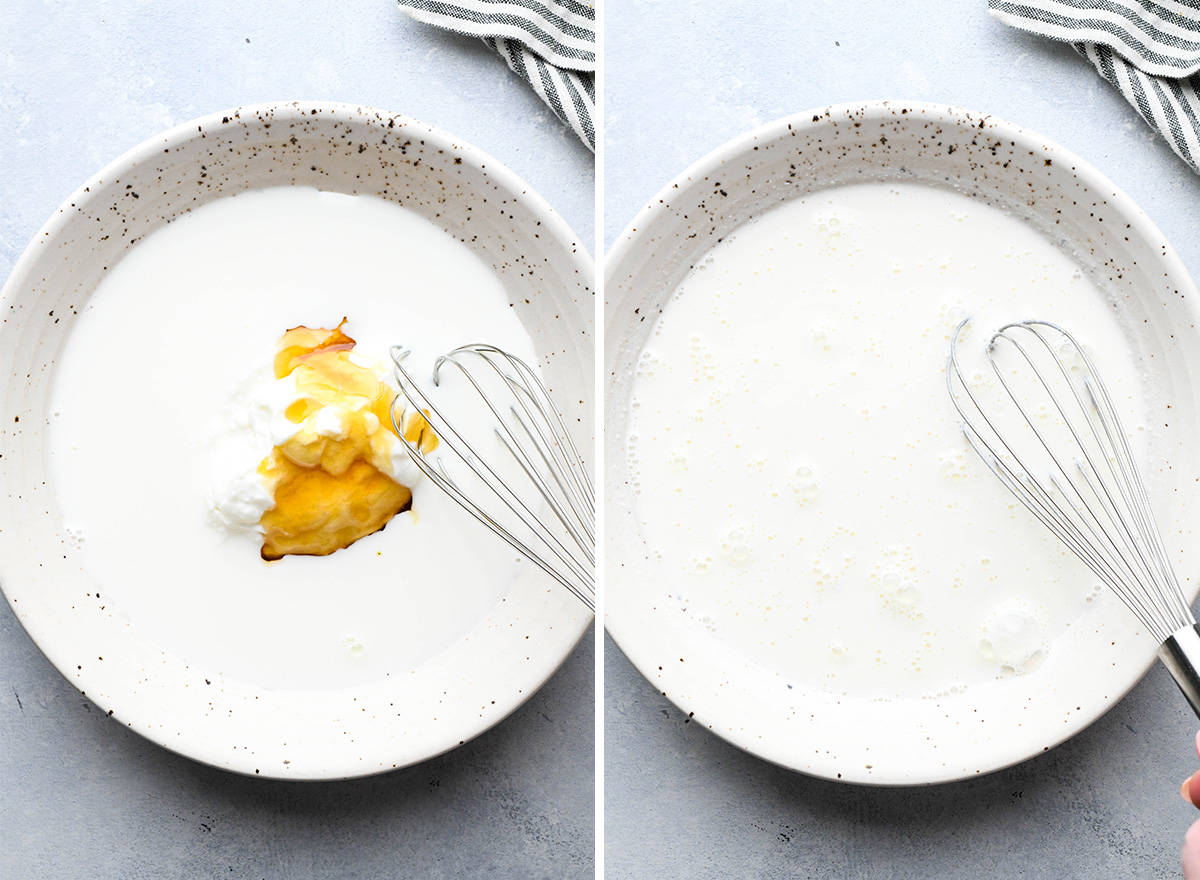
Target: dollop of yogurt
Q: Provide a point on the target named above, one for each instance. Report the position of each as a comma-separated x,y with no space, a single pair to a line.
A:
262,415
1013,637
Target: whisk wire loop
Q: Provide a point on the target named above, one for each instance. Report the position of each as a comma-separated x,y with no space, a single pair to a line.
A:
1083,484
1072,524
549,517
576,526
517,450
1114,529
530,391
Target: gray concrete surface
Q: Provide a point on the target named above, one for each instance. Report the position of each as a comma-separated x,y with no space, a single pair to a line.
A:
682,78
80,796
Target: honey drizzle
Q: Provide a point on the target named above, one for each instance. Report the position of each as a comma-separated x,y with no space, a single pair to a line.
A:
329,483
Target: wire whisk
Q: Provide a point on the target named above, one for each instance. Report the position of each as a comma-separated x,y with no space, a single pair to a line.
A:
544,507
1051,434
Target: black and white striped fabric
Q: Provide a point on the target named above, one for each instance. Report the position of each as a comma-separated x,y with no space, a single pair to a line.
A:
551,44
1149,50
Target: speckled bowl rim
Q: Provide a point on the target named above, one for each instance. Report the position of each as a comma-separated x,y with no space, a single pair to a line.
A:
625,635
553,225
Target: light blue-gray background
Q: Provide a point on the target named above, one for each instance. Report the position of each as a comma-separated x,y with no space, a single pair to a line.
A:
80,796
682,77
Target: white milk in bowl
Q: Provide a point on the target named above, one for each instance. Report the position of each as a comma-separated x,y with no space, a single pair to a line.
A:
152,391
800,478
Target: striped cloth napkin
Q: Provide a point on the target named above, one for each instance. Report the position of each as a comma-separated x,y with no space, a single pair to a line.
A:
551,44
1148,49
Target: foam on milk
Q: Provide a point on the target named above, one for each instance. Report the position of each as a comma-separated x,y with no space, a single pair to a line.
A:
798,471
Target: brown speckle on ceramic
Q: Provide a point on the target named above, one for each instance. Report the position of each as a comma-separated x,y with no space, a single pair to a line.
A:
1073,205
200,712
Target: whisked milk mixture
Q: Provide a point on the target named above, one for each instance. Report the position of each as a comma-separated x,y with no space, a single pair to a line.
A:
799,474
146,406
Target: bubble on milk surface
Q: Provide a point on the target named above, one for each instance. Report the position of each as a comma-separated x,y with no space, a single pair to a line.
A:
951,314
835,559
804,483
894,575
954,464
736,544
704,362
823,334
648,364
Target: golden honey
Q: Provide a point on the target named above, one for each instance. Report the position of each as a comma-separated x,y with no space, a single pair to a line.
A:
330,478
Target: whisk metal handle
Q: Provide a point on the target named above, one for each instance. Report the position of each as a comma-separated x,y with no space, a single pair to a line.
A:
1180,653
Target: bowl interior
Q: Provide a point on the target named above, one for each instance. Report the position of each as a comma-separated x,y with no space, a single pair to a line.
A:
1077,209
547,278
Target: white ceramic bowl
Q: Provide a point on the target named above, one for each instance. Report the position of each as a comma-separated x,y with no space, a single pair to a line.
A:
298,734
985,727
